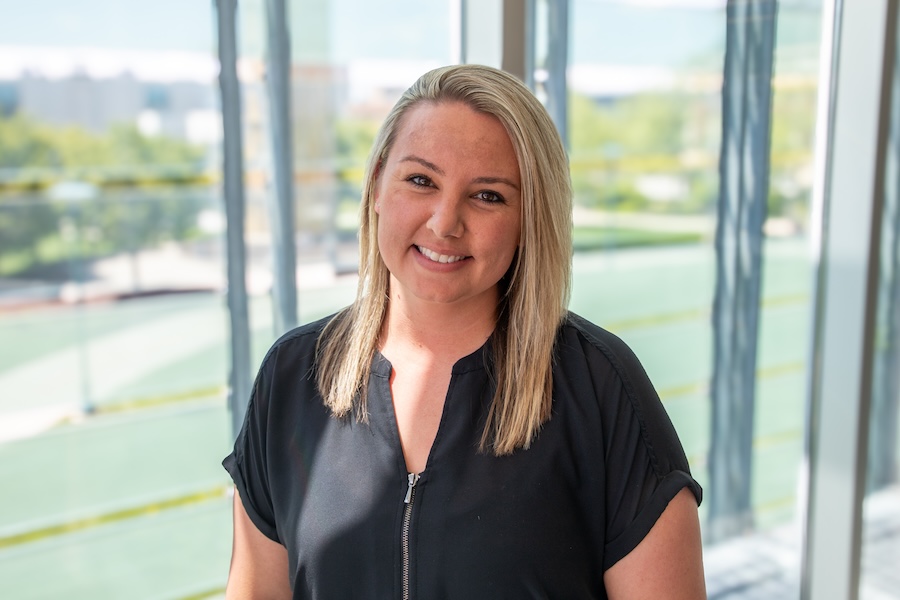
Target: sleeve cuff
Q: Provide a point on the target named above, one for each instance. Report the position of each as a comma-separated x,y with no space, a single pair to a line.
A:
668,488
231,465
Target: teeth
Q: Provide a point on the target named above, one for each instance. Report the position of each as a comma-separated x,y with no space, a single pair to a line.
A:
441,258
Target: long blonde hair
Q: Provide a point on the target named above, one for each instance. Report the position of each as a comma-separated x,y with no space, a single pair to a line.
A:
534,293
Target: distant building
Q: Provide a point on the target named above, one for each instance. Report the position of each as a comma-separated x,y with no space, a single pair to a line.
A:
163,93
96,104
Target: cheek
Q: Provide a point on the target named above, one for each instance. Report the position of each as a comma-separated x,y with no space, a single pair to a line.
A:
506,245
512,237
391,230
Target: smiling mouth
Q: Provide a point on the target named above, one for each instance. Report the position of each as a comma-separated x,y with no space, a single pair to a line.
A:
439,258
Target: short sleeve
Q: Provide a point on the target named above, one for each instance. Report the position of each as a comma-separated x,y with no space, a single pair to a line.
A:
247,463
646,468
645,464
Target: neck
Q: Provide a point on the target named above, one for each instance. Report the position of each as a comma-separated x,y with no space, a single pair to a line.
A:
441,331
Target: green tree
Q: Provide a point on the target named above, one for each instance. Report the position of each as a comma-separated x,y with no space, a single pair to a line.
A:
614,140
24,143
30,226
355,137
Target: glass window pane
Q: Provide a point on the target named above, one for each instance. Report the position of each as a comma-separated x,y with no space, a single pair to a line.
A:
113,357
645,84
645,116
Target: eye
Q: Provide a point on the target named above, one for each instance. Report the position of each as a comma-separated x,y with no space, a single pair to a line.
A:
489,197
419,180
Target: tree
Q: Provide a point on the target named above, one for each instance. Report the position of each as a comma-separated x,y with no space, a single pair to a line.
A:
30,224
24,143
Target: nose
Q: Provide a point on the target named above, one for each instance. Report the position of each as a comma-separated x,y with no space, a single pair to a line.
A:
446,218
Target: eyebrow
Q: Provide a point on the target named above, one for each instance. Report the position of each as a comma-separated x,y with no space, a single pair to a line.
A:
439,171
424,163
496,180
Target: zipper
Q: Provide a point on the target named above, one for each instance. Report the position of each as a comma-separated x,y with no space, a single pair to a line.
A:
413,479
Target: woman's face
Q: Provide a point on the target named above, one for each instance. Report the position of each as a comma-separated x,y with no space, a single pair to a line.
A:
448,199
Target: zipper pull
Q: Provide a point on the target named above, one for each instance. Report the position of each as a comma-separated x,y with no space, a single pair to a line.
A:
413,479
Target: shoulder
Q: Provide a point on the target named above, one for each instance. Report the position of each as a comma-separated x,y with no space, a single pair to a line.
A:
286,379
622,390
300,341
293,354
579,335
307,333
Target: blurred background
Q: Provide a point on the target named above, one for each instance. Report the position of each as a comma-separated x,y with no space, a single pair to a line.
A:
141,281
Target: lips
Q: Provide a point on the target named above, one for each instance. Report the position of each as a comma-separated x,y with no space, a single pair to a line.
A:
439,258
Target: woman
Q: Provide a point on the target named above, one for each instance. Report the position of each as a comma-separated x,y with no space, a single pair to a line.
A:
455,433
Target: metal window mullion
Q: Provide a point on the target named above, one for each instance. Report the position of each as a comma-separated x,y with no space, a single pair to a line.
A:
883,461
846,295
516,57
233,184
284,250
557,61
458,28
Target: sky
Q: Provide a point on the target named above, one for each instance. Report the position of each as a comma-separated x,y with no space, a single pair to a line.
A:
157,25
637,37
392,29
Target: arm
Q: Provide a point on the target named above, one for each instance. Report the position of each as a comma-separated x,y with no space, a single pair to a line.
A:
259,566
667,563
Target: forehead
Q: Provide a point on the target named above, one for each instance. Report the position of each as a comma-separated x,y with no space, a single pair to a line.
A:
453,127
441,122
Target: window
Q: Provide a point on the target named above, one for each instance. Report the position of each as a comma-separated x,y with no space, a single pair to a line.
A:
114,347
114,316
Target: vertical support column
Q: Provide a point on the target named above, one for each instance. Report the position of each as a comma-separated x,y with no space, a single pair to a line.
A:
517,54
883,464
851,195
500,34
284,250
233,179
556,64
517,22
482,32
457,20
743,193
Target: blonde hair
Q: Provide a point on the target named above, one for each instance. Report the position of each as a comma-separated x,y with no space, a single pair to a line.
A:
534,293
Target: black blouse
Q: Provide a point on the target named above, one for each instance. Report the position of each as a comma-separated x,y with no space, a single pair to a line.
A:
541,523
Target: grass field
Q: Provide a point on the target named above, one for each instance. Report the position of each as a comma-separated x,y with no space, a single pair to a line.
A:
131,501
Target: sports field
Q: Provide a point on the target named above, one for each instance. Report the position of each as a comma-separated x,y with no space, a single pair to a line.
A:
112,481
